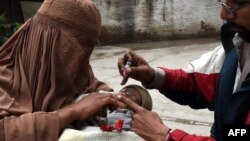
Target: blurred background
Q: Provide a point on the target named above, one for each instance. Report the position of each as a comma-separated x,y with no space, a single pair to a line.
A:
129,21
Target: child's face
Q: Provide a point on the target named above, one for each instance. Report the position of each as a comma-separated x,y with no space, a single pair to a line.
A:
133,94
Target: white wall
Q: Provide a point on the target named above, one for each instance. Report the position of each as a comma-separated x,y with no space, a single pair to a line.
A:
133,20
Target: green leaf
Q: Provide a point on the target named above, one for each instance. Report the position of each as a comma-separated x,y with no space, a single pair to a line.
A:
2,17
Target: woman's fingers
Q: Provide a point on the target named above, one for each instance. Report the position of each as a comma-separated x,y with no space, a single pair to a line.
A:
130,104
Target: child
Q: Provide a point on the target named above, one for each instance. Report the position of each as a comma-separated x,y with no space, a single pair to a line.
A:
136,93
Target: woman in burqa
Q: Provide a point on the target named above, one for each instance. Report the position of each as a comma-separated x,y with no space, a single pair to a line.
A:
44,67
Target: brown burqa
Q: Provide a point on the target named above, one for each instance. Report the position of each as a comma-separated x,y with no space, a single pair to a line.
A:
45,66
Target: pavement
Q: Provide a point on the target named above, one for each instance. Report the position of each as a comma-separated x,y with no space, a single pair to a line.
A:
171,54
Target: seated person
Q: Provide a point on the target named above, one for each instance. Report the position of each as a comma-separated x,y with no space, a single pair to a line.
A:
44,67
135,92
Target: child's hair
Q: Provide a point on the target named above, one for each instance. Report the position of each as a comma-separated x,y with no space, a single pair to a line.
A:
146,98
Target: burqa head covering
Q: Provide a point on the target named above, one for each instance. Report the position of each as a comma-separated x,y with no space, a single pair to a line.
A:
45,64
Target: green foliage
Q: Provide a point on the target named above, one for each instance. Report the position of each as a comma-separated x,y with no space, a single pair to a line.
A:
6,30
2,18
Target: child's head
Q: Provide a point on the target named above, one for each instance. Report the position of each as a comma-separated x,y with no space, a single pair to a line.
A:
139,95
136,93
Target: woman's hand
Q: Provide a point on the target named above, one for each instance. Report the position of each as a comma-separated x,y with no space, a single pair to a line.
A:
86,108
93,103
139,70
145,123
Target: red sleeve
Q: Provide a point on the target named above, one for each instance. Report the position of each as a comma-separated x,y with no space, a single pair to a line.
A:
191,83
247,122
178,135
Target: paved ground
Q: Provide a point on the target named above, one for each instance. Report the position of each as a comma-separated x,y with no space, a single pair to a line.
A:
172,54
